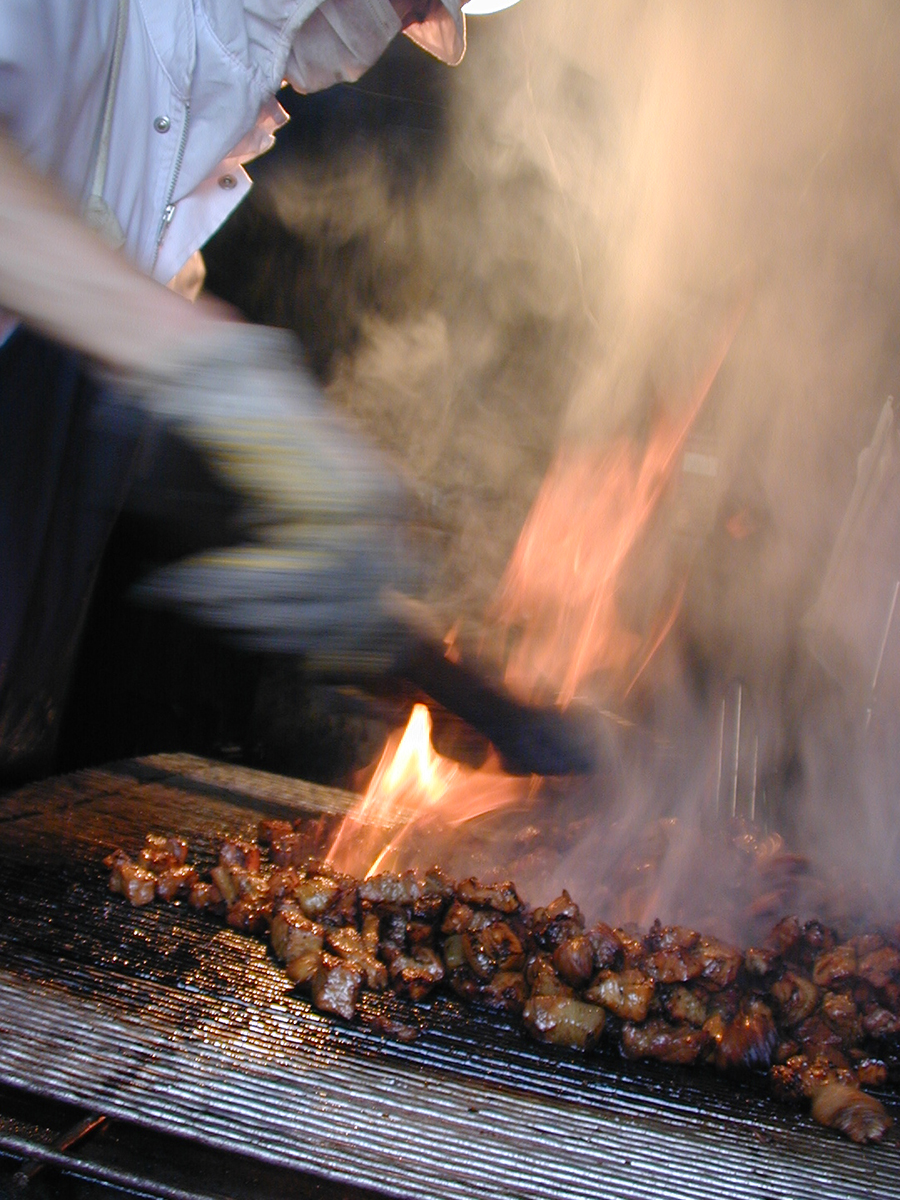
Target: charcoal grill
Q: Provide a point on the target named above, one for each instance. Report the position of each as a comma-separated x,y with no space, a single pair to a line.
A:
186,1032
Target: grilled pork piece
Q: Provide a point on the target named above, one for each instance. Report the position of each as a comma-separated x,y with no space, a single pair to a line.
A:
573,960
850,1110
563,1021
416,975
654,1038
347,943
158,872
127,878
626,994
292,934
821,1015
746,1042
175,882
336,986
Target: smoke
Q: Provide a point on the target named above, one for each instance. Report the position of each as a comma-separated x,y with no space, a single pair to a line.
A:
616,181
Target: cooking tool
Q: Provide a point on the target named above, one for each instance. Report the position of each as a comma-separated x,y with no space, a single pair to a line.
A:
160,1018
531,739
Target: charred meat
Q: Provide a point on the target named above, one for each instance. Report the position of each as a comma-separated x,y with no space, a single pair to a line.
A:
819,1015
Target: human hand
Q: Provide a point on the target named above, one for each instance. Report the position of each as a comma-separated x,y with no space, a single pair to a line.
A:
327,520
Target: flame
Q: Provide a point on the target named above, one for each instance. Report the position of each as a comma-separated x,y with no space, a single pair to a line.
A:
561,582
415,786
560,590
560,585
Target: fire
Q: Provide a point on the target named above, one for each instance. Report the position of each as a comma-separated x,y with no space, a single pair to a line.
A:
560,591
560,586
417,786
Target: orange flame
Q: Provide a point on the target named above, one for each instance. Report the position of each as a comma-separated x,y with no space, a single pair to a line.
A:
560,590
560,584
414,784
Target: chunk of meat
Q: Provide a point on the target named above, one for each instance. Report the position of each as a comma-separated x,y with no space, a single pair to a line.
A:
607,946
388,888
282,882
817,939
288,848
856,1114
674,965
162,853
880,967
175,882
236,853
795,997
336,986
785,937
670,937
563,1021
800,1078
458,918
817,1037
416,975
249,914
315,895
542,978
267,831
347,944
672,953
292,934
626,994
881,1023
720,963
494,948
574,960
205,895
759,961
678,1044
400,1031
506,992
226,883
136,883
746,1042
841,1013
561,919
835,966
684,1004
500,896
871,1072
369,931
303,969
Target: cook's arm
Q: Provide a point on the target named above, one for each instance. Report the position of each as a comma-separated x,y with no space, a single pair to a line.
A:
324,512
59,277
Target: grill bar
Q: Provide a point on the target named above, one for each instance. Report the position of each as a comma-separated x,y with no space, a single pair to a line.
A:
45,1156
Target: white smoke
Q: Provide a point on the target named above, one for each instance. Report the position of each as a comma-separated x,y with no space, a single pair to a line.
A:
620,178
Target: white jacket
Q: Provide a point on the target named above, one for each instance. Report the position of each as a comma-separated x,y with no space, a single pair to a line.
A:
195,100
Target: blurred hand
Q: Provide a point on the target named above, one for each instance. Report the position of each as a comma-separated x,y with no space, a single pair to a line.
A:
327,520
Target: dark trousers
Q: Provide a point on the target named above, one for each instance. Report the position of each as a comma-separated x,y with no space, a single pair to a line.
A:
72,456
67,452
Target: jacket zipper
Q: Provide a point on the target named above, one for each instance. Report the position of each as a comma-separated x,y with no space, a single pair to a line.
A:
169,210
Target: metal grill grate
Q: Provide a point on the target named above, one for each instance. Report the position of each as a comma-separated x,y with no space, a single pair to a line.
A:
167,1020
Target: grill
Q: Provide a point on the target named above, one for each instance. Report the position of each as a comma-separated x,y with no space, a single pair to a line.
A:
186,1034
